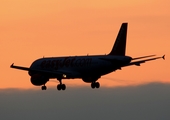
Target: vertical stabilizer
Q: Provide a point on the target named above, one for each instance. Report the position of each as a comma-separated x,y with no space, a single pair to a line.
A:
119,47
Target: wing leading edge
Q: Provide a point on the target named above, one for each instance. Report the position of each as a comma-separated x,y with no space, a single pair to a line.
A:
56,73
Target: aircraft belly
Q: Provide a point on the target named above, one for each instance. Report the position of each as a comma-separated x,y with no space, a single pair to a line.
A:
95,70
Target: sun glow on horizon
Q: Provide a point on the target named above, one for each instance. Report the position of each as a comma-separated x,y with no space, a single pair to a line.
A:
33,29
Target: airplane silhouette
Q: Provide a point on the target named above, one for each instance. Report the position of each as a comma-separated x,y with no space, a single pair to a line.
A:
88,68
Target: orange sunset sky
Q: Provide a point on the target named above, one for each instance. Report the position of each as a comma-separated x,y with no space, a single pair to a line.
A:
31,29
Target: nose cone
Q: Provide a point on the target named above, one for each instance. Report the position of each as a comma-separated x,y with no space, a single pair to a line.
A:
35,65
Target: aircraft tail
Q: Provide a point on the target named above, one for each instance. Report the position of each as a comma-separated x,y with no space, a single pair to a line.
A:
119,47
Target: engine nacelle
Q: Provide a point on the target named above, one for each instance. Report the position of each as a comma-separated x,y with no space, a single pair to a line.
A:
39,79
90,79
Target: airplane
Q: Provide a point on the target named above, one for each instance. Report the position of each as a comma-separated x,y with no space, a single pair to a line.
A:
89,68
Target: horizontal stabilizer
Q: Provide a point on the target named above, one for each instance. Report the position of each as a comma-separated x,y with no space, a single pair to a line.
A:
163,57
143,57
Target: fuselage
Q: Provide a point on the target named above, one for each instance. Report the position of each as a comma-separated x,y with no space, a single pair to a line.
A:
80,66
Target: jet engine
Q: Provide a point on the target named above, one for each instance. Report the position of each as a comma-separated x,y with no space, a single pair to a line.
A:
39,79
90,79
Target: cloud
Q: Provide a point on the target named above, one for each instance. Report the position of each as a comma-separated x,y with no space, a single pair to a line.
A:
145,102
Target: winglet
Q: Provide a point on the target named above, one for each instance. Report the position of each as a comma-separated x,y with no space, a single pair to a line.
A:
163,57
12,65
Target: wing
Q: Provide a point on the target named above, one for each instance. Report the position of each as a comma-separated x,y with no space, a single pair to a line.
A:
19,67
137,63
63,73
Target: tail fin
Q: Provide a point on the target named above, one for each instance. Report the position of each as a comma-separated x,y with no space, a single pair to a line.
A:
119,47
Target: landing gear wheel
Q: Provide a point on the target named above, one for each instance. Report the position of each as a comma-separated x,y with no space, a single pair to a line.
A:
58,87
44,87
61,87
95,85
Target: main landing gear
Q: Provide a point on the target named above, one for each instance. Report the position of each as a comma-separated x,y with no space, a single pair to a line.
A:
43,87
61,86
95,85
